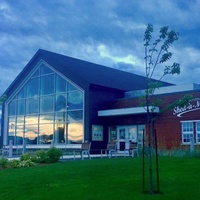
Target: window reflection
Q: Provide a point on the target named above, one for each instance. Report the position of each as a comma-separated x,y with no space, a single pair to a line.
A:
59,135
45,133
47,84
60,102
31,133
21,107
31,119
75,132
70,87
75,100
11,128
60,84
19,135
45,70
46,104
75,115
21,94
32,87
47,118
32,105
47,109
132,133
12,108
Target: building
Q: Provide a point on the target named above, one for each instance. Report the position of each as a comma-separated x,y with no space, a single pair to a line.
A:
64,101
176,127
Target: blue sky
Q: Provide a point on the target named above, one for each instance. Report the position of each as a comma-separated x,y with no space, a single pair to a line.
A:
107,32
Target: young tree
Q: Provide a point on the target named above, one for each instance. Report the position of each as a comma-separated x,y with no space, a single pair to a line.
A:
157,55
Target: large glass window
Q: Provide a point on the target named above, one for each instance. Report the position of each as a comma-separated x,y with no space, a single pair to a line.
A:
47,109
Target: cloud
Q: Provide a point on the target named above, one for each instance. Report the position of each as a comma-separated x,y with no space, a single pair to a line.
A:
104,32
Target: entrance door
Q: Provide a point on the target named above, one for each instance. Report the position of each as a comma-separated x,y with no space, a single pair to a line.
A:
125,134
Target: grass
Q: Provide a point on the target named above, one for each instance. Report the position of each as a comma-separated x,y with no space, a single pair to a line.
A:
101,179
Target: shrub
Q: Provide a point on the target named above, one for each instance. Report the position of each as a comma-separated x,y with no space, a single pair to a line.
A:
26,163
25,157
3,162
14,163
19,163
40,156
54,154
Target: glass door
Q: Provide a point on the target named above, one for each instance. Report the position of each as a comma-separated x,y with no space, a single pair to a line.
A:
125,134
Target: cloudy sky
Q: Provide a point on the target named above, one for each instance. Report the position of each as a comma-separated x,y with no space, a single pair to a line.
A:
107,32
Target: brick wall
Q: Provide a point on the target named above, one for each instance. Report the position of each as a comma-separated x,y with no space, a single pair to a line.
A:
167,124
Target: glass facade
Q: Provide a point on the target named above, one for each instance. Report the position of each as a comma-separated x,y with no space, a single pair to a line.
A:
47,109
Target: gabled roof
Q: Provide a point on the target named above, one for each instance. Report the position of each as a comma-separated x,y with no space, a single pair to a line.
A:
85,72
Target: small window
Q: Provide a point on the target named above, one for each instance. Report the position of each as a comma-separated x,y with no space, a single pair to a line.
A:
187,132
198,132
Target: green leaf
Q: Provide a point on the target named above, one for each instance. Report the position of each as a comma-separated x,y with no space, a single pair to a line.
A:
165,57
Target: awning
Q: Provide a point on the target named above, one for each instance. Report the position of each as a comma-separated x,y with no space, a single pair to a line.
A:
127,111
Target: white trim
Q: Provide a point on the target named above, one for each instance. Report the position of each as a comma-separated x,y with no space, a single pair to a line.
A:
127,111
189,121
47,146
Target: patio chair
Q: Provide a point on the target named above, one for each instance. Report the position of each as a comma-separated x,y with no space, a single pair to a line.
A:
84,150
5,151
110,149
133,148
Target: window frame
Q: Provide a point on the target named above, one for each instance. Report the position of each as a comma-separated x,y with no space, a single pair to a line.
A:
186,133
197,132
17,96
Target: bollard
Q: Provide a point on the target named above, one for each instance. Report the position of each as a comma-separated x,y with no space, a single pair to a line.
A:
10,154
191,144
